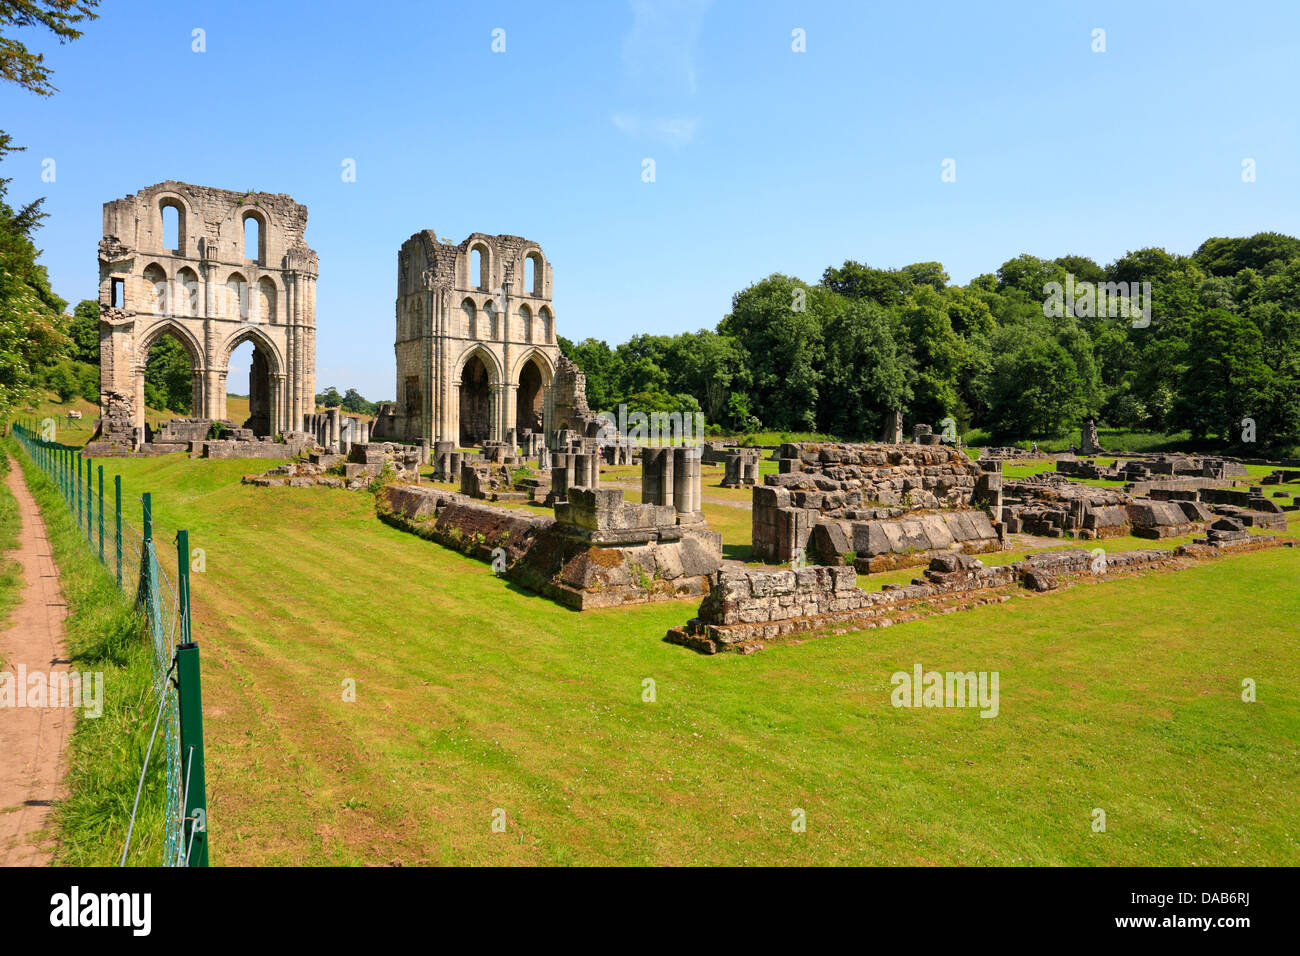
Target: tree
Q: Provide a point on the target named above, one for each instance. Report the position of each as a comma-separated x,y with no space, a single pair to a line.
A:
887,287
330,398
168,378
867,371
711,367
1226,378
20,65
1033,390
83,329
777,322
1225,257
30,312
936,353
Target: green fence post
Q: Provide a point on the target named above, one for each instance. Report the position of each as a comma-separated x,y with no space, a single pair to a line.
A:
144,583
90,511
101,514
78,480
117,535
190,699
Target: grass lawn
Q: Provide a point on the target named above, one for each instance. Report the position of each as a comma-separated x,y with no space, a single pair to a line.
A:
472,695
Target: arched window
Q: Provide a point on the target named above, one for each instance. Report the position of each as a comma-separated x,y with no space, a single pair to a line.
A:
156,291
173,221
187,293
265,300
253,245
547,329
533,274
526,320
478,267
491,313
471,318
236,304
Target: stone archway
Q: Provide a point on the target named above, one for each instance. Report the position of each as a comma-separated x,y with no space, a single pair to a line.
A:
529,399
262,379
199,400
475,402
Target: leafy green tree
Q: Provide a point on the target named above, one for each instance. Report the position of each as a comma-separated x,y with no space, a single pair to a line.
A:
1225,257
30,312
1029,274
354,402
711,367
1226,380
887,287
1034,390
936,355
83,329
867,370
330,398
20,65
777,322
168,378
1082,268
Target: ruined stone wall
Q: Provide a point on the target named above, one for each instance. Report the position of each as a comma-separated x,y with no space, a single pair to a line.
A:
837,489
448,320
746,607
212,294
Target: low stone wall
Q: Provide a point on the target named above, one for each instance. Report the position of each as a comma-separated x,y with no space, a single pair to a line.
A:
248,449
904,541
746,607
598,552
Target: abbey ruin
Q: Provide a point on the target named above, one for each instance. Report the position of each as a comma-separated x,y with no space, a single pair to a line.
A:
214,268
475,341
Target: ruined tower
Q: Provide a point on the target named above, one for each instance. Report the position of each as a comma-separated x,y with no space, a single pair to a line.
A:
475,342
214,268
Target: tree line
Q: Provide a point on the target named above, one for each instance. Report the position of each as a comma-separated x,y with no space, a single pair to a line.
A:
1154,341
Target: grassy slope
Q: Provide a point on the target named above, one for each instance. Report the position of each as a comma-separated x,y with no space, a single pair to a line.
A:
78,431
473,695
104,635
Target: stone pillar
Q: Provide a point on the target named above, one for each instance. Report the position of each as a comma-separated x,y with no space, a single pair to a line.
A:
657,476
586,470
332,418
686,480
562,476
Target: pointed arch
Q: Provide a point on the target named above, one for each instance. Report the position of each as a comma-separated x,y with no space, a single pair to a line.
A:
495,372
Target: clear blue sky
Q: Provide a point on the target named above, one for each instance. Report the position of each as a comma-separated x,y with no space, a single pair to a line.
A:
767,160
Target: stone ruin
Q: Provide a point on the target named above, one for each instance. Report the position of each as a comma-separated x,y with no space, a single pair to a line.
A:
206,285
1089,443
876,506
355,471
597,551
745,608
740,468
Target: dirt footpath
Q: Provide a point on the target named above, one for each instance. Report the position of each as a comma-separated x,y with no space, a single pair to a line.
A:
33,741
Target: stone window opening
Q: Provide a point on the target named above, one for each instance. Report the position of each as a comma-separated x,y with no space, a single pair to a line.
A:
254,239
533,274
117,293
478,267
173,222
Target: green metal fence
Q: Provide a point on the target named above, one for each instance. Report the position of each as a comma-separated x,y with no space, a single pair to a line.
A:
131,555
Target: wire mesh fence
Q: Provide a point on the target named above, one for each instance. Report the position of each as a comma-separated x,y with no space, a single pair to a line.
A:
129,551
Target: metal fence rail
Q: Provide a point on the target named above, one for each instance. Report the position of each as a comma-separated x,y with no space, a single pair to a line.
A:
130,555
